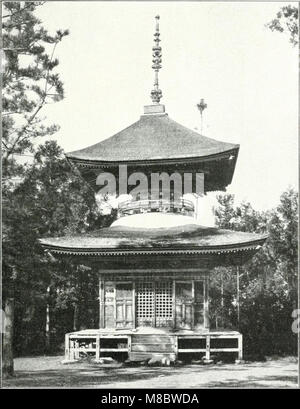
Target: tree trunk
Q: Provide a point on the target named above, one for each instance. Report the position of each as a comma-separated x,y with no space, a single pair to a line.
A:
75,318
7,358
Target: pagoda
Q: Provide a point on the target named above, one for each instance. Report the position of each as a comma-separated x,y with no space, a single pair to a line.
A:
155,260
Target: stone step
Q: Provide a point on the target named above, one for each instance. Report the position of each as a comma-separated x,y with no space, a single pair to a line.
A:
145,356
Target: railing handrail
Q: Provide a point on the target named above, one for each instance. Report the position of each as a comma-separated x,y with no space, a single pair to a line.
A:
131,205
149,201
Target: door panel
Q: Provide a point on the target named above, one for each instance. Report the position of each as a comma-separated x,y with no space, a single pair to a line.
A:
109,300
199,304
124,316
145,293
154,306
164,304
184,302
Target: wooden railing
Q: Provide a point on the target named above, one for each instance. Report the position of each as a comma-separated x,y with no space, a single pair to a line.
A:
182,206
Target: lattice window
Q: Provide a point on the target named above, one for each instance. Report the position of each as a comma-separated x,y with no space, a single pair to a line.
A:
163,302
145,303
154,303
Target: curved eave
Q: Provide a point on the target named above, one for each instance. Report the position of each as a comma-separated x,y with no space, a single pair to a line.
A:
251,246
217,167
89,163
151,139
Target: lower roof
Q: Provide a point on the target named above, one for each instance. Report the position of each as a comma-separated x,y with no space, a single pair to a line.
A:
122,240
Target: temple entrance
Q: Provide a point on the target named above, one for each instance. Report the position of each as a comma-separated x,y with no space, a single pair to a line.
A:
168,303
154,304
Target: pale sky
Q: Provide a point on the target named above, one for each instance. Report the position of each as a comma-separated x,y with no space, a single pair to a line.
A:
218,51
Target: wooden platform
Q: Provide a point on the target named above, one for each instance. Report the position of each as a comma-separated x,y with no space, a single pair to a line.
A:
145,343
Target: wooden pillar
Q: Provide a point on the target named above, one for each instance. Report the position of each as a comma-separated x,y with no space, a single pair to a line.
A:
77,354
72,349
174,303
133,305
175,338
67,347
154,304
47,327
238,295
206,303
101,303
240,347
207,348
129,343
193,304
97,347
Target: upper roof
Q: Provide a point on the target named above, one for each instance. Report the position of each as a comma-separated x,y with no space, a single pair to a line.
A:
153,137
157,143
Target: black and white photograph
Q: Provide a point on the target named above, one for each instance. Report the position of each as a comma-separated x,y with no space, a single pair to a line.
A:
150,197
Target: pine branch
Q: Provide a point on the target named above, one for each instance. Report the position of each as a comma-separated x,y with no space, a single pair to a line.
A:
30,4
39,107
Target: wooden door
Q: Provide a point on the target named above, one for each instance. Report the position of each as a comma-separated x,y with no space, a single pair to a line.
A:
145,304
199,304
164,304
109,304
184,305
124,305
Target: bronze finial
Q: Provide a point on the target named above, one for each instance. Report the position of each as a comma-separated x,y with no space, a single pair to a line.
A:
156,93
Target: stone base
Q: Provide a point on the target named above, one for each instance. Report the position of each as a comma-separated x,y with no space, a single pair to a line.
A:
239,361
207,361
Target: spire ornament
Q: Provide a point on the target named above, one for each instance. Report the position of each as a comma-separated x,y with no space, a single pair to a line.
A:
156,93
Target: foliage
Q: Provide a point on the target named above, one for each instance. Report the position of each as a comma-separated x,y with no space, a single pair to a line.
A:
44,198
30,81
268,283
286,21
52,200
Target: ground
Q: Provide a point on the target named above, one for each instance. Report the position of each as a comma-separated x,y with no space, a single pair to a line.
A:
49,372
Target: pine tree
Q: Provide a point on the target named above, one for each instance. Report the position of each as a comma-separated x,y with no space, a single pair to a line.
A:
29,82
286,21
268,285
